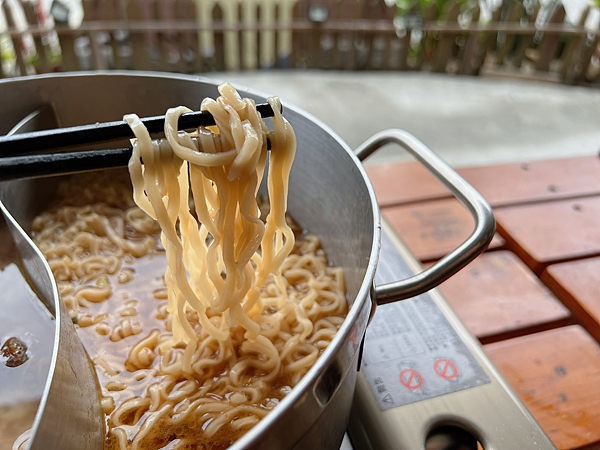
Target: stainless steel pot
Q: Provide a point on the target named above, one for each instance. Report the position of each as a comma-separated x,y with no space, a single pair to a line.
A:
330,194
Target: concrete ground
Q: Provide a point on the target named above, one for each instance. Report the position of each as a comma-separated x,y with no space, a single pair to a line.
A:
467,121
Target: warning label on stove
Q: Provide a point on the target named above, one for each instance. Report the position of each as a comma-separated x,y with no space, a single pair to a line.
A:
411,351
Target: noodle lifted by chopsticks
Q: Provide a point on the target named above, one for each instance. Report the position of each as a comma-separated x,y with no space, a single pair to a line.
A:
224,172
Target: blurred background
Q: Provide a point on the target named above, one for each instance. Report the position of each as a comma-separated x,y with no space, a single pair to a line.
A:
545,40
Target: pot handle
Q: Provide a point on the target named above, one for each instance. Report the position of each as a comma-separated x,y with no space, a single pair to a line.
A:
476,243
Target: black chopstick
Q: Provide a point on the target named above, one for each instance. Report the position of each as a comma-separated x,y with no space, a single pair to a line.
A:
52,164
32,166
18,144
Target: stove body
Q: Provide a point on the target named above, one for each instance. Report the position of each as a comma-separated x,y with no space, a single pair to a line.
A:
425,378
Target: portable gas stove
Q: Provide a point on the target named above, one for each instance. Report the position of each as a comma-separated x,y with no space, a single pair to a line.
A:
425,381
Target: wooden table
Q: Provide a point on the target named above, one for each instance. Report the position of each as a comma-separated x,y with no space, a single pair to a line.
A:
533,298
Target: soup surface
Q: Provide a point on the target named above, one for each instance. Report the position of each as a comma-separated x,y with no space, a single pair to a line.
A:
26,342
106,256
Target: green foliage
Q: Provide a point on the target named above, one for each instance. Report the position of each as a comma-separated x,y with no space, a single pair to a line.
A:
405,6
421,7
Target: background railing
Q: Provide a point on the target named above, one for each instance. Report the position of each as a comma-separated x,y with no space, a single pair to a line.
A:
193,36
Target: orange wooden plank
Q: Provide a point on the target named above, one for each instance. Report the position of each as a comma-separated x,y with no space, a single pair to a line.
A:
401,183
498,297
432,229
555,179
556,374
577,284
501,185
547,233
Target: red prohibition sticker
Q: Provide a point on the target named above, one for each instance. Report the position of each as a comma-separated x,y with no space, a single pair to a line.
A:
445,369
411,379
